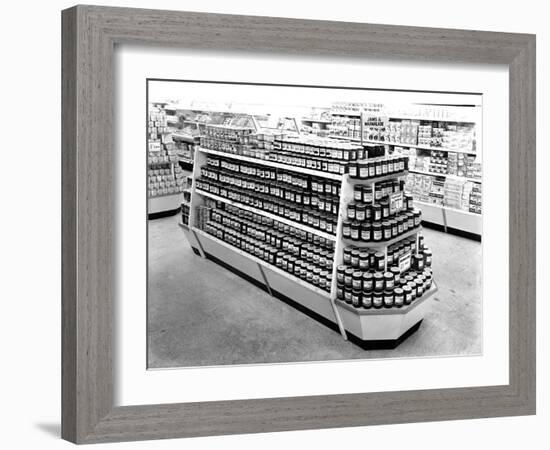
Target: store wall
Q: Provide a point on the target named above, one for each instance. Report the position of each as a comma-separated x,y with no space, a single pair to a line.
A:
30,331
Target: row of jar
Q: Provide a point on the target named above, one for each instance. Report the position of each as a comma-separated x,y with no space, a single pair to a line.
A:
366,212
378,167
323,221
314,254
327,148
366,194
317,275
381,231
245,216
365,259
306,182
412,288
324,202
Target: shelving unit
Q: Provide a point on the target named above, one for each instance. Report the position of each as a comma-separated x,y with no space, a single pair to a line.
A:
450,219
351,323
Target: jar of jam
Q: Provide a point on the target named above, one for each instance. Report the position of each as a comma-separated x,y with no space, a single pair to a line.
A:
347,256
340,274
389,281
384,164
365,232
368,212
420,242
407,295
398,297
355,231
363,170
355,258
379,261
385,204
348,277
396,275
360,212
410,220
351,211
399,221
368,282
418,262
367,194
376,231
357,193
346,229
386,230
357,280
340,292
393,225
427,257
372,169
352,170
356,298
363,261
388,299
378,168
376,212
347,295
367,300
417,215
377,299
378,281
419,287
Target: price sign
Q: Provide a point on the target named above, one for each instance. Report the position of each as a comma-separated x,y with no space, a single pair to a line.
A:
396,202
405,262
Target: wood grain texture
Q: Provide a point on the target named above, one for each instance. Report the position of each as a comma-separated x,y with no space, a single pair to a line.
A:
89,36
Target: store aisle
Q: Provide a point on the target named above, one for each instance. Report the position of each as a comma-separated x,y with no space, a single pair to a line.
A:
201,314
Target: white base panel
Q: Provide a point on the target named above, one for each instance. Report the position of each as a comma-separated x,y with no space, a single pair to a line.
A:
164,203
384,324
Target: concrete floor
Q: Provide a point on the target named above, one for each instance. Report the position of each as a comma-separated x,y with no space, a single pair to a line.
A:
200,314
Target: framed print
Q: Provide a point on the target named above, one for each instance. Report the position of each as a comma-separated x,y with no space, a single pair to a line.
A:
267,230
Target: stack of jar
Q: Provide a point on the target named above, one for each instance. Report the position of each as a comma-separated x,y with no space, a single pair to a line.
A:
310,200
378,167
366,281
369,218
304,255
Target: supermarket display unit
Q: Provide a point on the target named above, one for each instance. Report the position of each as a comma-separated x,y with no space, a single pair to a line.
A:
164,172
372,123
242,250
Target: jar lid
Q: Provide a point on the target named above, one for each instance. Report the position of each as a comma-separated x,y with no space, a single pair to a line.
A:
388,275
367,275
398,291
378,275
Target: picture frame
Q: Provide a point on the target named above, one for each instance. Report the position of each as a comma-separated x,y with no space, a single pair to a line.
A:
89,37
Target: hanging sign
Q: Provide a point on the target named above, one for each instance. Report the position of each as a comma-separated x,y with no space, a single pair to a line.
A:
396,202
405,262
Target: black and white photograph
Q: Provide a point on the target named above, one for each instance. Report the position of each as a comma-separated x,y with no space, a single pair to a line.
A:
300,223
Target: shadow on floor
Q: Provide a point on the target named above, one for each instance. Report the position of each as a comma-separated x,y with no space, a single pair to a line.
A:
53,429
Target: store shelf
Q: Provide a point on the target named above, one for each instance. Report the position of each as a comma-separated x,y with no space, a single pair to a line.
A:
382,244
423,147
446,208
385,311
267,163
375,180
182,225
161,163
444,175
344,138
291,223
263,263
165,195
428,119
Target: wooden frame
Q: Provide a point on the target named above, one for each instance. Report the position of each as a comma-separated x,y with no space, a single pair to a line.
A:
89,36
